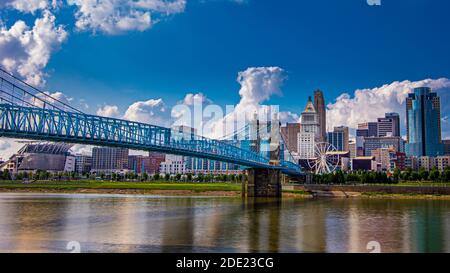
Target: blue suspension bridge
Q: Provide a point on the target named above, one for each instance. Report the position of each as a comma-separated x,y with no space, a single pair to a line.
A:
28,113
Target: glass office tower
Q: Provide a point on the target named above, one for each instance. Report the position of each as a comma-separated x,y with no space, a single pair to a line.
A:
423,123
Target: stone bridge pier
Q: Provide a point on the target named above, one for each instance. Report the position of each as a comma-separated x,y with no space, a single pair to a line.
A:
263,182
266,182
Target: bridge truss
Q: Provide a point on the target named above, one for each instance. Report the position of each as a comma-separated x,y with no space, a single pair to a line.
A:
28,113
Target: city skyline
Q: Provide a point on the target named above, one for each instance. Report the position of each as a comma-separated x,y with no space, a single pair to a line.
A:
181,127
140,91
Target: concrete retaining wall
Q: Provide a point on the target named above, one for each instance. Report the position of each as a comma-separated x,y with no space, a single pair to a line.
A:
383,189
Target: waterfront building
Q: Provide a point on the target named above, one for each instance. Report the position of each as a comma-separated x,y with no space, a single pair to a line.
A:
206,166
109,160
139,164
426,162
341,159
373,143
173,164
412,162
395,117
319,105
339,138
423,123
442,162
364,163
290,135
385,127
155,162
383,158
83,163
41,156
309,131
367,129
398,160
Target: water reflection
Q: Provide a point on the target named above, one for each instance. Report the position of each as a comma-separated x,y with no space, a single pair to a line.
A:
109,223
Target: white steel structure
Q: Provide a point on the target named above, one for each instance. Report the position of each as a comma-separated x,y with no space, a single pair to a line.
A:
325,159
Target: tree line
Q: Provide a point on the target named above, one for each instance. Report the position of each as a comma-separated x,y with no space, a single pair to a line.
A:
397,176
189,177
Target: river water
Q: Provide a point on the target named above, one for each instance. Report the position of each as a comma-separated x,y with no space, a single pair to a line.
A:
124,223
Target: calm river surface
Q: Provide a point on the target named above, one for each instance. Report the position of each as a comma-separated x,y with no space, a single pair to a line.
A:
118,223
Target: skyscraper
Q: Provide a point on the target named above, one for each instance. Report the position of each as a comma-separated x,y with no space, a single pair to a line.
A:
290,135
339,138
367,129
395,122
385,127
109,160
319,105
423,123
309,131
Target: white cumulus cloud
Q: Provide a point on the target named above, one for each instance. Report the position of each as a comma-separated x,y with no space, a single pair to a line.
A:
111,111
26,51
369,104
191,98
153,111
8,147
120,16
258,85
31,6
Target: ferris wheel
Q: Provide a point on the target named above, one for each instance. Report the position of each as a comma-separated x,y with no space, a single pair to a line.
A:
325,159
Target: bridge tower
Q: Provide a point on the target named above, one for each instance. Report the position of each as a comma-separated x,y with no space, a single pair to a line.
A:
266,182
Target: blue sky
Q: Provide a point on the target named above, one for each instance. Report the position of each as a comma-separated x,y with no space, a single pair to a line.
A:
337,46
334,45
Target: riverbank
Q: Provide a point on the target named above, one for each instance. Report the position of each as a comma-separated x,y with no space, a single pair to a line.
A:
377,191
168,188
224,189
110,187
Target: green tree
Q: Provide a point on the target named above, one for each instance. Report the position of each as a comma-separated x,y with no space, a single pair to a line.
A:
396,175
167,177
200,177
352,178
340,178
156,176
178,177
189,177
240,177
423,174
406,175
434,174
415,176
19,176
145,176
446,175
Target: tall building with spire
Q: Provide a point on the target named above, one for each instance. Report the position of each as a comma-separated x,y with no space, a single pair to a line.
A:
309,131
319,105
